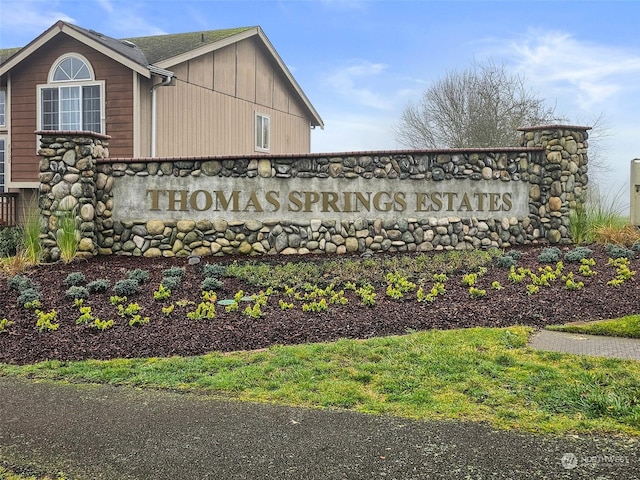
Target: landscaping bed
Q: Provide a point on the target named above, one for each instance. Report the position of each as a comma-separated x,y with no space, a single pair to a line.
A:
184,323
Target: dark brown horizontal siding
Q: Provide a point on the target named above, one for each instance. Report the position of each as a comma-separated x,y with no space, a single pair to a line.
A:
34,71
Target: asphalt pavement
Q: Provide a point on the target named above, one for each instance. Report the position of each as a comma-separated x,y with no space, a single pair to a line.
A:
103,432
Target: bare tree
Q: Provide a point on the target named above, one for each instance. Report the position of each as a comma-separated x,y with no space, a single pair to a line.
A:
479,107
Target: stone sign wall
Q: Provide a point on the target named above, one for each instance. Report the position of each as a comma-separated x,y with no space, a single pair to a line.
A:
313,203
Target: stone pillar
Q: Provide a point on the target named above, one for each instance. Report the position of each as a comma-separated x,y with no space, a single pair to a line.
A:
559,180
68,187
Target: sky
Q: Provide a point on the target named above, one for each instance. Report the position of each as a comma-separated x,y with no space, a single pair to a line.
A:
361,62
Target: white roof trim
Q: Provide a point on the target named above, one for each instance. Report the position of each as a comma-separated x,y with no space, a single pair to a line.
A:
62,27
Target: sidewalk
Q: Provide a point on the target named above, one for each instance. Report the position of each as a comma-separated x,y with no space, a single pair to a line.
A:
594,345
104,433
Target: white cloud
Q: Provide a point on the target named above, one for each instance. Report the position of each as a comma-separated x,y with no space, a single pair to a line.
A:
596,73
25,19
351,82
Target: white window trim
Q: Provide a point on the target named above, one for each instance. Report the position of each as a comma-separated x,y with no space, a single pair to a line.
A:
59,60
6,110
261,148
5,138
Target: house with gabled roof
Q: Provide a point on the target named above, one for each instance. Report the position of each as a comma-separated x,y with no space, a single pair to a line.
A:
216,92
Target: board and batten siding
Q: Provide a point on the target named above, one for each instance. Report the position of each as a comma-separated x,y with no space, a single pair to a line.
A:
25,79
211,109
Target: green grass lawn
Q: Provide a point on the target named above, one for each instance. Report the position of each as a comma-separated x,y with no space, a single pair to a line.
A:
477,374
628,326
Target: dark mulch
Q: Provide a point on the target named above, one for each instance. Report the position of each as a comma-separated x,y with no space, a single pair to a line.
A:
177,335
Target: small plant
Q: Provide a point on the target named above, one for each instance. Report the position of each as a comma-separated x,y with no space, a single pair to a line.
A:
4,324
532,289
34,305
210,283
495,285
46,320
206,309
284,305
137,320
623,272
76,292
436,289
74,279
398,285
350,286
367,294
254,311
102,325
440,277
617,251
126,288
518,275
585,267
469,279
571,284
20,283
213,270
550,255
162,293
171,283
578,254
139,275
168,310
316,307
117,299
505,261
174,272
515,254
128,311
98,286
476,292
28,296
85,316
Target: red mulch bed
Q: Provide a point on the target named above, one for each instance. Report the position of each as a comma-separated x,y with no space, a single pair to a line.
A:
176,335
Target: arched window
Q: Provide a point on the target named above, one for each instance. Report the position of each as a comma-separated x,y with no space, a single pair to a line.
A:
73,99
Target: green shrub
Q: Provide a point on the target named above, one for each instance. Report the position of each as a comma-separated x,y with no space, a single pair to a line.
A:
20,283
617,251
170,282
550,255
139,275
126,288
210,283
10,240
28,295
578,254
98,286
515,254
213,270
74,279
173,272
636,246
75,292
505,261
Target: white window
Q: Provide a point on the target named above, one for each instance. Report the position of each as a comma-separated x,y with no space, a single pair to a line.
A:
3,155
72,100
3,108
263,132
